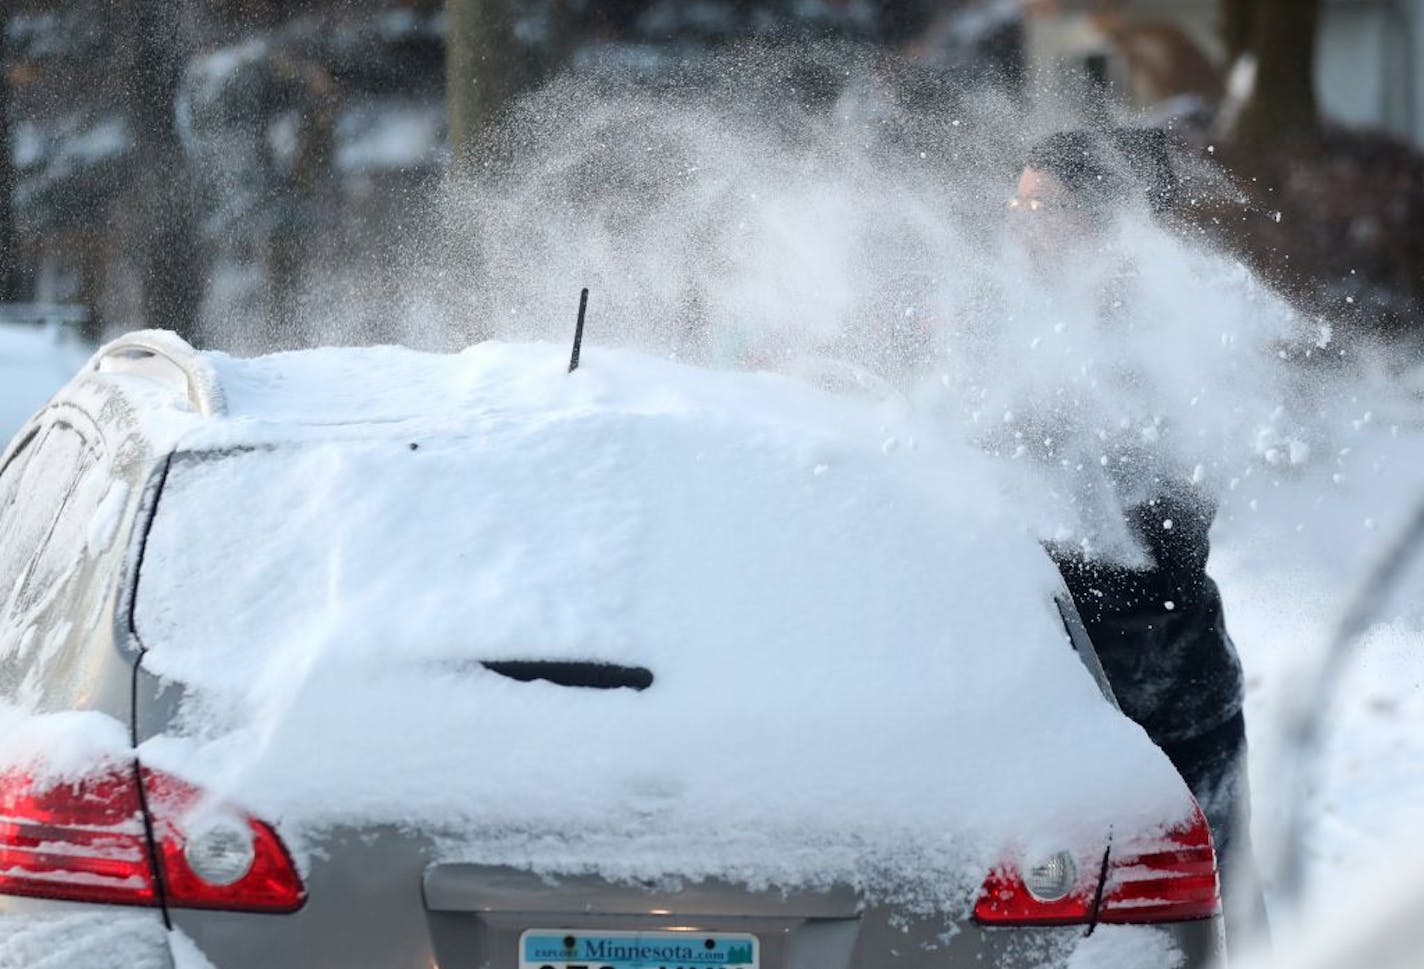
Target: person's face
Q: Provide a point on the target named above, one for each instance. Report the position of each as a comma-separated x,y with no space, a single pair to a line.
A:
1047,220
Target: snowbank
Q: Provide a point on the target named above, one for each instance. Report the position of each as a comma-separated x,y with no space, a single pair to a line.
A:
113,939
34,363
860,672
1289,552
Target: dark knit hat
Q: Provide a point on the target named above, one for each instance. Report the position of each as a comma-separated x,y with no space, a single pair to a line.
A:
1106,168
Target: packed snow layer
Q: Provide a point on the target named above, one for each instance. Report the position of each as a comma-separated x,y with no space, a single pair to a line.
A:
65,745
860,669
93,938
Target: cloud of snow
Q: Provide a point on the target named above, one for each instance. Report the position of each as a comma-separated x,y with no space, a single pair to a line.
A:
820,213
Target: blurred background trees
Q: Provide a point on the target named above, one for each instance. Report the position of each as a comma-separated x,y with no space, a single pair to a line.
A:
9,269
1340,202
1270,50
222,167
163,200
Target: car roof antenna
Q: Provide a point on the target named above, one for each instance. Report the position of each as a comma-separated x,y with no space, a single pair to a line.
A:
578,331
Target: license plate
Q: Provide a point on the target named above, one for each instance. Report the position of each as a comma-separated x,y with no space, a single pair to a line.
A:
579,949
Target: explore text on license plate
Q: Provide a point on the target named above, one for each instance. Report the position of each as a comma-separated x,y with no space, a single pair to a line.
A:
583,949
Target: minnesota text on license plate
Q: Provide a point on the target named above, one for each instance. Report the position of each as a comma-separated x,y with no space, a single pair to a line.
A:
582,949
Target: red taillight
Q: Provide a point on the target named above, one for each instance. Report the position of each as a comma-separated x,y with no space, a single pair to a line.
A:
86,841
270,882
1006,900
82,841
1168,878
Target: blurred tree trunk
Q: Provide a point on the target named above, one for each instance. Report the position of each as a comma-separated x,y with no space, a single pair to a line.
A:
480,74
1235,26
9,258
486,68
1279,116
170,264
284,263
311,200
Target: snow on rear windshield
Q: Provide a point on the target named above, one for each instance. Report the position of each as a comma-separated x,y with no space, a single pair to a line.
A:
848,646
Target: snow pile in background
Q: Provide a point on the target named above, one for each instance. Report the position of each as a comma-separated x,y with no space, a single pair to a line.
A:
114,938
1289,553
1370,918
391,134
34,363
843,690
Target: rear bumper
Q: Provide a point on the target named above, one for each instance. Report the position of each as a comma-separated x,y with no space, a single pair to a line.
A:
477,915
466,941
872,942
471,917
110,938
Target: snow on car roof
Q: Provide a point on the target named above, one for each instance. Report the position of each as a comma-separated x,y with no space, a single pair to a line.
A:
860,673
390,385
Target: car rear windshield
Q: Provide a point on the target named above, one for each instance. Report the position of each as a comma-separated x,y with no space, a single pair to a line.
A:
632,552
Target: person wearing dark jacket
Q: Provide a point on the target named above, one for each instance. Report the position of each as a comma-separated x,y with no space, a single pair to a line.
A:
1158,626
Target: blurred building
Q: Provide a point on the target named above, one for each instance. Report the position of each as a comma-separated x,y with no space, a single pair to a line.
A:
1369,59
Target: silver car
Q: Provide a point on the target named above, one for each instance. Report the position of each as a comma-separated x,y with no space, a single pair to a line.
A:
186,781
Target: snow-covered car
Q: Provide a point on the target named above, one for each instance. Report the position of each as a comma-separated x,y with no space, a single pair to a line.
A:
35,361
368,657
